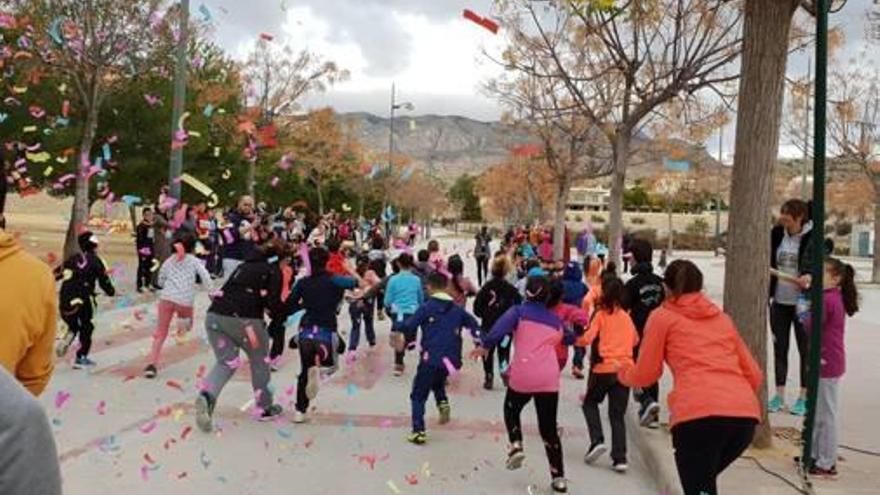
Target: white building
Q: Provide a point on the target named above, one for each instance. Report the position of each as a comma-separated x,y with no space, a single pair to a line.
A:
588,199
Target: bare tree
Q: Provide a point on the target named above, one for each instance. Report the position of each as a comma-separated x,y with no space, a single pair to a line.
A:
571,147
624,65
767,31
98,46
278,78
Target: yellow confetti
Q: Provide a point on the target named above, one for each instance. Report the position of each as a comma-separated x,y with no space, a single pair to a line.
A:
155,266
196,184
426,470
216,151
41,157
213,201
195,134
61,159
76,302
63,88
247,405
48,171
393,487
30,128
66,274
227,174
178,413
19,90
182,121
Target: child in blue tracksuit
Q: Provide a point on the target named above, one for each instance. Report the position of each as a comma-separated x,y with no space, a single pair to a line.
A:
441,321
403,296
573,292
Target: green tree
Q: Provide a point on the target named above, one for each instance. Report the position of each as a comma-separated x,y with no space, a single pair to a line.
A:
636,197
463,195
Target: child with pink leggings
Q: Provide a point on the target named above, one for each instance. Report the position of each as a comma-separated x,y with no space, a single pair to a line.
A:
177,278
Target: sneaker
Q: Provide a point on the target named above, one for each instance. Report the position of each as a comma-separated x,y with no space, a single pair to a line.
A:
271,412
799,408
776,404
83,362
204,412
313,383
515,457
398,341
505,379
649,414
445,412
417,438
830,473
559,485
620,467
64,344
398,369
150,371
654,424
596,450
488,382
273,368
299,417
577,372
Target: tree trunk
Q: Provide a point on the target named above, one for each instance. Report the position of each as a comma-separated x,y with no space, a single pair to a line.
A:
562,191
875,272
79,214
132,213
252,179
765,54
670,242
320,198
615,203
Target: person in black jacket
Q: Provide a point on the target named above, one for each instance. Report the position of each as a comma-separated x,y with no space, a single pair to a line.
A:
235,323
482,251
145,251
492,301
791,246
644,294
318,342
80,274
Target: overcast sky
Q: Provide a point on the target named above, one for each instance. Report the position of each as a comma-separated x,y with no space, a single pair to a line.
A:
425,46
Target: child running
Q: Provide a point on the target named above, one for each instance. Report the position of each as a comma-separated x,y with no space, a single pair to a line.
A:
361,309
403,296
841,300
613,337
534,374
77,305
441,321
492,301
177,278
144,245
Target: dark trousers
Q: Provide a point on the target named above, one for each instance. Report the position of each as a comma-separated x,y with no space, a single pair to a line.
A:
577,359
311,353
482,268
276,333
705,447
428,379
361,312
79,321
782,317
546,405
144,275
410,338
599,386
503,353
647,395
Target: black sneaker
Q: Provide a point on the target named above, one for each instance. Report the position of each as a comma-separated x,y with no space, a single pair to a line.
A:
595,452
830,473
649,414
204,412
489,382
559,485
150,371
515,457
271,412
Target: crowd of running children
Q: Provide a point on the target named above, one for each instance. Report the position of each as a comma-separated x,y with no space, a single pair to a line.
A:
277,270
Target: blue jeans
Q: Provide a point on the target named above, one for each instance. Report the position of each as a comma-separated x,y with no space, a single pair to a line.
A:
361,311
578,359
428,379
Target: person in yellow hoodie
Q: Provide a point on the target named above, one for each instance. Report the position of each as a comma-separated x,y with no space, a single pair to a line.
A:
29,310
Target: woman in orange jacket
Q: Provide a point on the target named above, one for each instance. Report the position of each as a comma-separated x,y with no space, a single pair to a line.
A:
713,404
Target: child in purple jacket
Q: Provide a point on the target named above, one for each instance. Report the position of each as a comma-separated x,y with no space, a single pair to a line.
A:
841,300
534,373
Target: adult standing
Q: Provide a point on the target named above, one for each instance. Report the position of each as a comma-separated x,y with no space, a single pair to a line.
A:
791,243
714,404
482,251
240,236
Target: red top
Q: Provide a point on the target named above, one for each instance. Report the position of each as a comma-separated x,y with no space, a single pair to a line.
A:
714,373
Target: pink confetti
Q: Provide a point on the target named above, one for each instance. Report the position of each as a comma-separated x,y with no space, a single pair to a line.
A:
61,397
101,409
274,182
450,367
148,427
235,363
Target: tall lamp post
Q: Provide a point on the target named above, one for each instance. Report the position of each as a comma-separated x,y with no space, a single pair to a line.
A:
718,190
395,106
176,164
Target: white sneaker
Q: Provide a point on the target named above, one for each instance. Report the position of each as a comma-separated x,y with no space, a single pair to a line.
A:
63,344
299,418
620,467
595,452
313,383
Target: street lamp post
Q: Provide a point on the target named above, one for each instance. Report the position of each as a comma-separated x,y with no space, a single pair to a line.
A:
718,190
176,163
394,107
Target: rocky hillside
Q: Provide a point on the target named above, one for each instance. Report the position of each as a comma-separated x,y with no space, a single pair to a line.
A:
448,146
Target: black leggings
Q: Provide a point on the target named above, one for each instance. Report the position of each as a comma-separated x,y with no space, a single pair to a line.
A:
546,404
311,353
144,273
503,359
80,324
705,447
276,333
782,317
482,269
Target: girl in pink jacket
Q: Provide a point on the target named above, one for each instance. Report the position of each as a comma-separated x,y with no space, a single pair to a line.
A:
534,373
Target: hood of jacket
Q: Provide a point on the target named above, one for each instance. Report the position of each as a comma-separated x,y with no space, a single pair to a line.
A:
8,245
695,306
642,268
572,272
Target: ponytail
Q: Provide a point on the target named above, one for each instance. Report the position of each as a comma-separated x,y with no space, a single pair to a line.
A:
848,288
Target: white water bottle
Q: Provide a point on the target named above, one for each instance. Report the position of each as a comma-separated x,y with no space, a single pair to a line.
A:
802,308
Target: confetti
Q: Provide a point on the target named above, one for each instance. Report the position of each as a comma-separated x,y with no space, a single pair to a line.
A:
61,397
351,389
147,428
101,408
266,37
481,21
203,458
206,14
185,433
175,385
392,487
